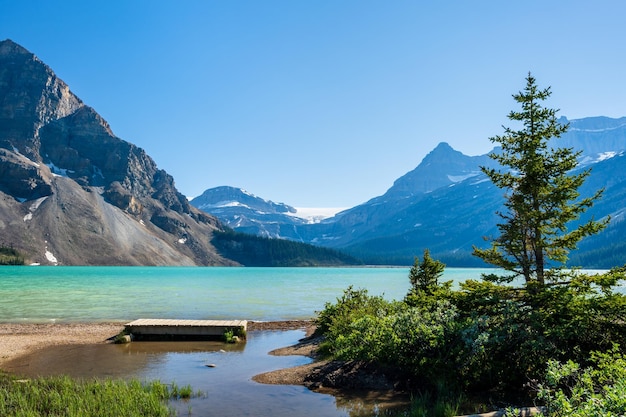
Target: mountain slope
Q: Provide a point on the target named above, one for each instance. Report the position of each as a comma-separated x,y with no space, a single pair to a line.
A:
442,167
248,213
72,193
447,205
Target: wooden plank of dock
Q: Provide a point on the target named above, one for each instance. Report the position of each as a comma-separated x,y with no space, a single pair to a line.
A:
170,329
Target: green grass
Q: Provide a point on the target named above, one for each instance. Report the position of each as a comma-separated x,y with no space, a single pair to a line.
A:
67,397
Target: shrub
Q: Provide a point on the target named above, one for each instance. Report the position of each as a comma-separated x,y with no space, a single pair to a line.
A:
484,337
599,390
336,318
416,340
510,334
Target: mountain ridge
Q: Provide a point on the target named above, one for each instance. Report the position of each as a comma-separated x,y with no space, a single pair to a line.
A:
73,193
447,204
61,167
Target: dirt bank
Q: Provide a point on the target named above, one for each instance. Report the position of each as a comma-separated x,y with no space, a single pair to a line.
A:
322,375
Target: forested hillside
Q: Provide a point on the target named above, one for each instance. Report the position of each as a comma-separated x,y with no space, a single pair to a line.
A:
251,250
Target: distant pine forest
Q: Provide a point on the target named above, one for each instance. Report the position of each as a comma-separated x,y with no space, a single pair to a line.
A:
590,256
10,256
251,250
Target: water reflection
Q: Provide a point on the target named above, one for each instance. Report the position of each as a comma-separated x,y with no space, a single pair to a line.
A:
227,386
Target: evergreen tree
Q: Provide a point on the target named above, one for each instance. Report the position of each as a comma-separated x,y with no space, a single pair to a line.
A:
541,197
425,286
425,276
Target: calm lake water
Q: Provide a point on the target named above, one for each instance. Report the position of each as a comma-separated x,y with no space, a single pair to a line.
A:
102,294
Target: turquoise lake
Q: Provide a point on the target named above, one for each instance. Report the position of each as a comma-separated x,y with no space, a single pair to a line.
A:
58,294
103,294
37,294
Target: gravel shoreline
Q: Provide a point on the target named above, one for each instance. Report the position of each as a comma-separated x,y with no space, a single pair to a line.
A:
18,339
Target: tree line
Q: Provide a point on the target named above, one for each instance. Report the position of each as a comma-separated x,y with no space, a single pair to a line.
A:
251,250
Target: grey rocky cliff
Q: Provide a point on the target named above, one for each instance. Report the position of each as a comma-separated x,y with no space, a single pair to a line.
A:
100,199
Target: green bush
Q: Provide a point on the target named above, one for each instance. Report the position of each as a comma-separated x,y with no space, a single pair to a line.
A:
336,318
482,338
569,390
416,340
510,334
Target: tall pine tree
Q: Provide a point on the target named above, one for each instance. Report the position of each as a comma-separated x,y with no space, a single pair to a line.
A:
541,196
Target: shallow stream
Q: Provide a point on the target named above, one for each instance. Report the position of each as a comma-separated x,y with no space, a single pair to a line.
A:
227,387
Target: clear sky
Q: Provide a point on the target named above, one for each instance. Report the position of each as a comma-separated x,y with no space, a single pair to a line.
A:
320,103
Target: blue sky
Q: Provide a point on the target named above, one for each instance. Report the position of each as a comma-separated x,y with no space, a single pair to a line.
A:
320,103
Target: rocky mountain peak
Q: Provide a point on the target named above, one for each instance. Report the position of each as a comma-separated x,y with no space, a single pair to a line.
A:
30,97
441,167
8,47
225,196
445,154
53,145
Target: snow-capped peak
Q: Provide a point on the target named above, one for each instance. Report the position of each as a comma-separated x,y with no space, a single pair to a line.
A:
316,214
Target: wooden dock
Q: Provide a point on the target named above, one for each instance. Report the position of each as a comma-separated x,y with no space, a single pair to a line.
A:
165,329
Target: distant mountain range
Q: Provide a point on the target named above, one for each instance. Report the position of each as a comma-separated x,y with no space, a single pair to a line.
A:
446,204
72,193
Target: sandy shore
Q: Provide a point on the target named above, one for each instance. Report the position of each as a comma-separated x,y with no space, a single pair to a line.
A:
17,339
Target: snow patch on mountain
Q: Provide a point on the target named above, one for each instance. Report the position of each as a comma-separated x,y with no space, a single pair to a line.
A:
316,214
222,204
459,178
606,155
603,156
60,172
50,257
484,179
607,129
33,207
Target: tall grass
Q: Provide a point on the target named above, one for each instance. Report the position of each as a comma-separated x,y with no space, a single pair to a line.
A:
63,396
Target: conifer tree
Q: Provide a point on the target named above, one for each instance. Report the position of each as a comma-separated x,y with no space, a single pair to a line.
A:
541,195
425,276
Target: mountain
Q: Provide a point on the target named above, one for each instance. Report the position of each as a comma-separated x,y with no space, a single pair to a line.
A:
442,167
597,137
73,193
446,204
246,212
453,217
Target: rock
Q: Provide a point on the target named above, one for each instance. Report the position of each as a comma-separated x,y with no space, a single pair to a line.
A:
22,178
107,202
